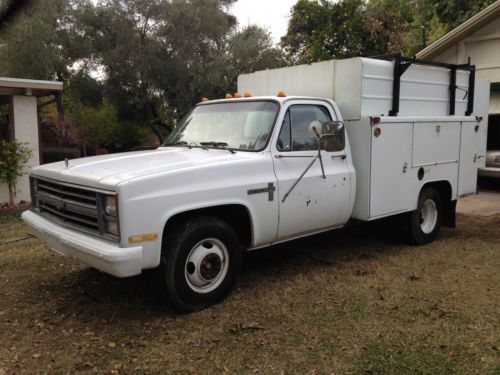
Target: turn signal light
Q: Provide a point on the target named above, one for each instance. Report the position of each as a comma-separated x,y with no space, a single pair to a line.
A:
143,237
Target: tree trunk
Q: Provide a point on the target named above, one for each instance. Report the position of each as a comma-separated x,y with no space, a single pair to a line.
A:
12,193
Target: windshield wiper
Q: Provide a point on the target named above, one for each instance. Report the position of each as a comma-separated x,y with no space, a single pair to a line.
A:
180,143
184,143
222,145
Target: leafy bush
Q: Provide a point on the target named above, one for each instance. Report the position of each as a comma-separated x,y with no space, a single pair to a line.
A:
51,155
13,157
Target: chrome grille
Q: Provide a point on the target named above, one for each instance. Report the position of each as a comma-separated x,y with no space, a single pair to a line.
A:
70,205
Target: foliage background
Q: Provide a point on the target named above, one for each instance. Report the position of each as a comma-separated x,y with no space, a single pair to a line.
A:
133,68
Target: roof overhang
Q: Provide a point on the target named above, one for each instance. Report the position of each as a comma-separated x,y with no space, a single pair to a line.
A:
473,24
18,86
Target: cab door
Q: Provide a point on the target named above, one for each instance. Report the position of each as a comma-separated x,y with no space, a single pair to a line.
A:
315,203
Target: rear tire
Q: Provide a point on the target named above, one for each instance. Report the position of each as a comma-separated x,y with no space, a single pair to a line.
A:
200,263
424,223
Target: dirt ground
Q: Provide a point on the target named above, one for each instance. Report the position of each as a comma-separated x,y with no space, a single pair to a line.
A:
485,203
358,301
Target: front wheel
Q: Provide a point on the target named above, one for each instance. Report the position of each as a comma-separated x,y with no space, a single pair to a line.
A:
201,261
424,223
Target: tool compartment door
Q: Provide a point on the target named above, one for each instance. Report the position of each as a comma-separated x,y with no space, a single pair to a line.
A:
390,164
435,143
469,158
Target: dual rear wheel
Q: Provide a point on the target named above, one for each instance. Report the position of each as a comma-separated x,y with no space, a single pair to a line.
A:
424,223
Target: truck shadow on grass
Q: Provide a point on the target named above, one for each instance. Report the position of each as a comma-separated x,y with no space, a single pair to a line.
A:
92,290
352,248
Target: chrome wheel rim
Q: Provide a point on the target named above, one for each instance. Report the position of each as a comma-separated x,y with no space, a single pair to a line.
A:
428,216
206,265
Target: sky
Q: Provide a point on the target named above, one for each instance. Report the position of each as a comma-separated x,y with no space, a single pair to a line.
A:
273,15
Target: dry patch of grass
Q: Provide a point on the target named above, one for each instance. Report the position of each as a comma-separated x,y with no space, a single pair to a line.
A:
351,301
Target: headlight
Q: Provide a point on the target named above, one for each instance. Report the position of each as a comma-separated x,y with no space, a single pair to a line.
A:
110,205
109,217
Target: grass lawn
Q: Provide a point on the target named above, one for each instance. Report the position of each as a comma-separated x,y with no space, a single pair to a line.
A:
354,301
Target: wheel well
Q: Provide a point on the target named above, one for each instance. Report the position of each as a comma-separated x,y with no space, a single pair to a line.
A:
236,215
444,189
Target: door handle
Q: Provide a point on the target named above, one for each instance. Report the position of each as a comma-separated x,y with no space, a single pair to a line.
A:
343,157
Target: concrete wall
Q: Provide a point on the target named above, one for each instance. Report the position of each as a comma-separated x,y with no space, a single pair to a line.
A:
24,122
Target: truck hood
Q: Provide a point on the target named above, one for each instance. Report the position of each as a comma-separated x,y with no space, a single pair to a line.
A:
107,171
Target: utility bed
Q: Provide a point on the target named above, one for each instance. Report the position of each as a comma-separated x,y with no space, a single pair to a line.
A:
409,123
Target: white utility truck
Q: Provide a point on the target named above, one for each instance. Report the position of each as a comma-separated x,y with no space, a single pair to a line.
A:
363,138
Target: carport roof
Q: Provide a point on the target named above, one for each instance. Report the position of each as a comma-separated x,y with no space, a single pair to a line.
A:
19,86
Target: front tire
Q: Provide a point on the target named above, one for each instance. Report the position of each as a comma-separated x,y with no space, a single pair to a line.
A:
424,223
200,263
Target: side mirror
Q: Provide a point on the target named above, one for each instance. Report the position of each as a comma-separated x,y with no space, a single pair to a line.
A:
332,128
333,136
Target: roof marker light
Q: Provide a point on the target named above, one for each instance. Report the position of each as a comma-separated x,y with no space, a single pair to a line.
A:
281,94
229,96
204,99
246,94
237,95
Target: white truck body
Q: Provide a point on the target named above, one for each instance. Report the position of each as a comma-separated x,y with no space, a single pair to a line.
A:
381,171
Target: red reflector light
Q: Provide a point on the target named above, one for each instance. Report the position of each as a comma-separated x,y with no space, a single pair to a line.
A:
377,132
375,120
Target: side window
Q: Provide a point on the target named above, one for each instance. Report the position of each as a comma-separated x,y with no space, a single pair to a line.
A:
284,139
294,134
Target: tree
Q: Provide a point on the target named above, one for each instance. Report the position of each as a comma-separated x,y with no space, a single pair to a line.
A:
324,29
13,157
30,44
439,17
160,57
320,30
152,60
388,22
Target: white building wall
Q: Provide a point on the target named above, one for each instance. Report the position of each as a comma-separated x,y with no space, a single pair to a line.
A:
483,47
25,124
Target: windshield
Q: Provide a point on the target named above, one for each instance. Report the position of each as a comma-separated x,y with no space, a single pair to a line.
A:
237,125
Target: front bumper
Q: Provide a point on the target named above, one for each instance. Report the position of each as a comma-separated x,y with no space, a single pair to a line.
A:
103,255
489,172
